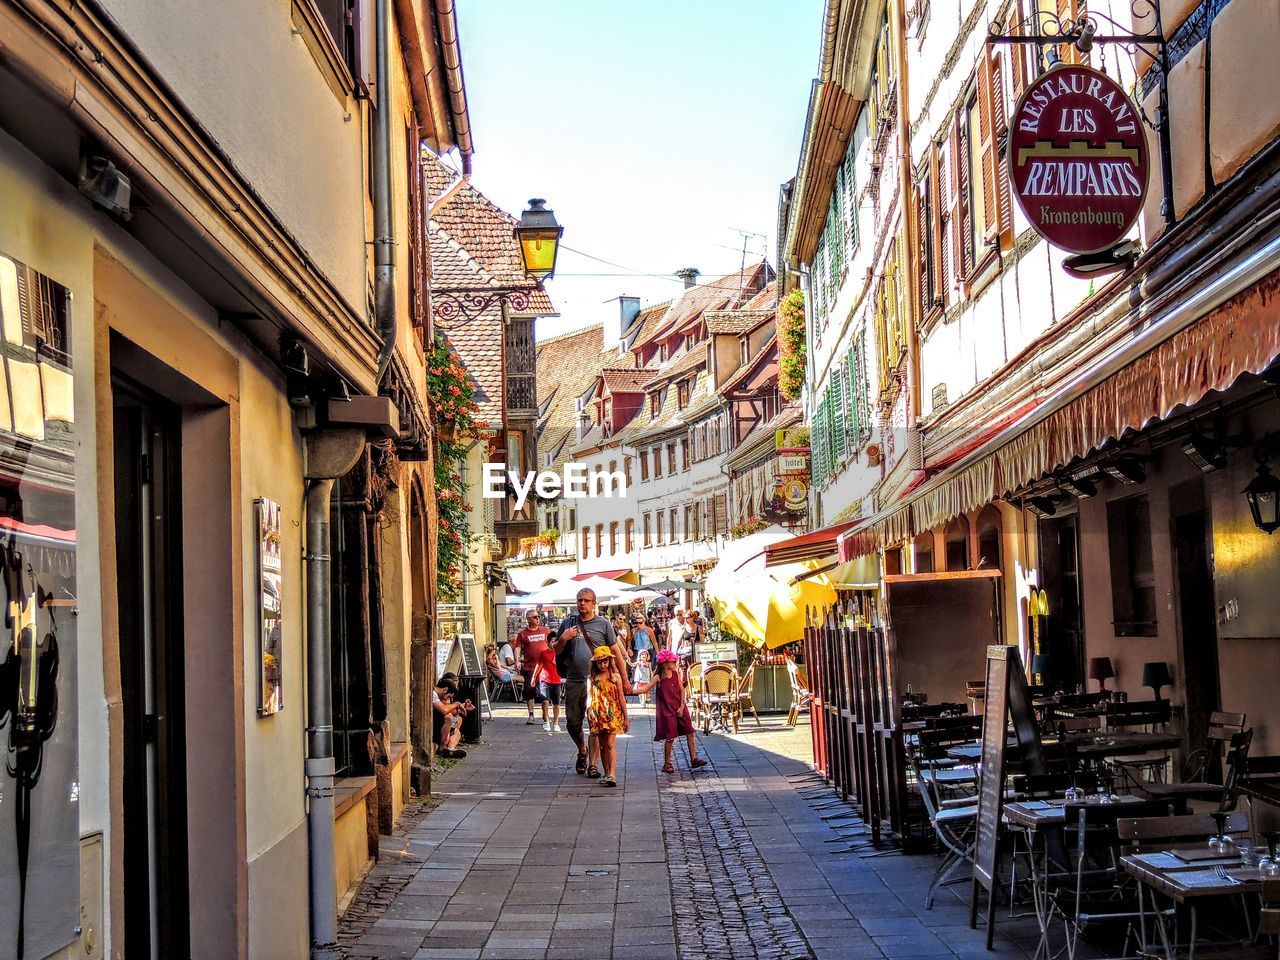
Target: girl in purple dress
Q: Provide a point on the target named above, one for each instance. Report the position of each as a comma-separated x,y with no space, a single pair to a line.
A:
671,713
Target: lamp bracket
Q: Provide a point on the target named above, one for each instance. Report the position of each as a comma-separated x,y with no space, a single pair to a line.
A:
470,302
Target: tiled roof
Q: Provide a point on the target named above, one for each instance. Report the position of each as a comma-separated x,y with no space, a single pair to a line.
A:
754,442
625,381
715,294
439,176
670,415
691,359
566,367
647,323
766,299
474,342
735,321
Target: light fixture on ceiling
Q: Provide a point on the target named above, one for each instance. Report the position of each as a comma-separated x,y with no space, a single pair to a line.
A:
1042,507
1207,453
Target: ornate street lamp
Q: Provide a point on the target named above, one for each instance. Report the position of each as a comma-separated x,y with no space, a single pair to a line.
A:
539,237
1263,494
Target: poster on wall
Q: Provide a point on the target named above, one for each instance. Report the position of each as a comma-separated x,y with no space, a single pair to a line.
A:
270,613
786,501
39,782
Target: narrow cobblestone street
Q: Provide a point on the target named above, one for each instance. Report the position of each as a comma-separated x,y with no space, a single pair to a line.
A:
746,858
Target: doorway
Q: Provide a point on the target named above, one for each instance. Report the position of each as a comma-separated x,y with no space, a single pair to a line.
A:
1197,623
149,569
1062,631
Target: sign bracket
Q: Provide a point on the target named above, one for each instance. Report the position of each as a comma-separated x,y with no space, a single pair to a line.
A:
1043,29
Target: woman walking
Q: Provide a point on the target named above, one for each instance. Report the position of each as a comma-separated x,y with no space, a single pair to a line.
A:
671,713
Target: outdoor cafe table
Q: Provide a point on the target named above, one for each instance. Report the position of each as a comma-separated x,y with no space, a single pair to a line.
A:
1036,818
1188,881
1087,745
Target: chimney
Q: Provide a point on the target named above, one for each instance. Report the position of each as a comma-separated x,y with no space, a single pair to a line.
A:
616,330
689,275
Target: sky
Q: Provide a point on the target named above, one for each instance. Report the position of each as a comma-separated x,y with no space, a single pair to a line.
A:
656,130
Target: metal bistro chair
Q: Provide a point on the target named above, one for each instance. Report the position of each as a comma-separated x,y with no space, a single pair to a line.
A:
746,699
800,694
1225,793
514,686
954,826
719,697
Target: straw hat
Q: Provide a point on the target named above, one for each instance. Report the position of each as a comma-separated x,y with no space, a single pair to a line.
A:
601,653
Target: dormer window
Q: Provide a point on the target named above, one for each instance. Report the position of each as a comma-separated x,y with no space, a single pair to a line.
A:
746,349
682,394
655,404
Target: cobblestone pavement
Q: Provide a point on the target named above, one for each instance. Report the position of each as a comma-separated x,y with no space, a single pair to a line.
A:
745,858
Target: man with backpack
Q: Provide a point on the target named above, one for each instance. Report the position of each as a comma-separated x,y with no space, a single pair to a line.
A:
579,635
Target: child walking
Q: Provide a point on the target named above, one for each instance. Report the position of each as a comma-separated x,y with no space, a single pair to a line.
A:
606,712
548,684
671,713
643,673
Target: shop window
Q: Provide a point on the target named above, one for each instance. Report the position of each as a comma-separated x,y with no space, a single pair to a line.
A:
893,561
957,544
1133,588
990,529
924,552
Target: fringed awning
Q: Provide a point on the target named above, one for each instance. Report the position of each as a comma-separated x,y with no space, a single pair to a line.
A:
1209,355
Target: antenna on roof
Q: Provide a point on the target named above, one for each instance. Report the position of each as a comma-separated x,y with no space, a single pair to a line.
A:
742,280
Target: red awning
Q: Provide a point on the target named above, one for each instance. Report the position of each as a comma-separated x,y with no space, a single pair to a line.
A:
607,574
808,546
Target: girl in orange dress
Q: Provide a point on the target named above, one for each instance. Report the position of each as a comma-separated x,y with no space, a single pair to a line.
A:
606,712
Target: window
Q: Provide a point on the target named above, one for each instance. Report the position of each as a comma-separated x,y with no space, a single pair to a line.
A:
657,461
626,470
655,404
675,516
613,538
659,526
956,539
990,527
682,394
629,536
1133,586
671,458
923,546
586,542
648,533
746,350
613,467
694,521
720,515
644,467
572,523
684,453
599,539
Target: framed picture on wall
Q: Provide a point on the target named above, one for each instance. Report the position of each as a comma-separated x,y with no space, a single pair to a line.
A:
270,611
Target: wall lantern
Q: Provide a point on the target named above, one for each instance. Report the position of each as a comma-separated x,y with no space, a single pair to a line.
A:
539,237
1263,494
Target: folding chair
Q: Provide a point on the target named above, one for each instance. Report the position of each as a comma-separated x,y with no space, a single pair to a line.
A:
954,827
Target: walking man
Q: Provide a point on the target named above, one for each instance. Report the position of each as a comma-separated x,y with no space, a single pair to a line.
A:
530,643
579,635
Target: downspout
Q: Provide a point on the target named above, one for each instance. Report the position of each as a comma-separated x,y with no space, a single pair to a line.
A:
906,208
384,241
329,454
322,879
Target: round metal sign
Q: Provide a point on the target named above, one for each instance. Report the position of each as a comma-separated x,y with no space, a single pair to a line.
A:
1078,159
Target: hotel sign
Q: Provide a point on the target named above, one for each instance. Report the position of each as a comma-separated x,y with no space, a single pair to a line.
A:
1078,159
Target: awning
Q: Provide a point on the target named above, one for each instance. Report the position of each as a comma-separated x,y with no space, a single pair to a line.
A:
607,574
1145,380
809,546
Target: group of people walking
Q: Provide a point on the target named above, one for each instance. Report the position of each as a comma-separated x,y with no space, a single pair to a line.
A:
590,666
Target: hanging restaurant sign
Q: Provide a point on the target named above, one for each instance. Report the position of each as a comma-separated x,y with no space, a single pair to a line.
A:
1078,159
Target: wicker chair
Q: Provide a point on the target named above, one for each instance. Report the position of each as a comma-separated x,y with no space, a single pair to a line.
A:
719,697
746,699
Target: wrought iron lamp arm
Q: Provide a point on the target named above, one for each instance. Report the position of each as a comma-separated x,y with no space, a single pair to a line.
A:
471,302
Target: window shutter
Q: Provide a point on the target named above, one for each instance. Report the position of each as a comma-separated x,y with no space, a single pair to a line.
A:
838,417
924,279
960,200
987,151
1000,118
720,523
946,250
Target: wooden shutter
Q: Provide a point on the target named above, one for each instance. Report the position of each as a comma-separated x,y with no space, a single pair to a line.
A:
987,152
924,278
945,217
960,198
720,523
1000,134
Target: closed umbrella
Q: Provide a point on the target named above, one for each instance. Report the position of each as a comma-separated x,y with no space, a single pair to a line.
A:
764,605
662,586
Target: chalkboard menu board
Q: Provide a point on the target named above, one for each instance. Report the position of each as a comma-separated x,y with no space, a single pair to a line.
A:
1006,697
470,655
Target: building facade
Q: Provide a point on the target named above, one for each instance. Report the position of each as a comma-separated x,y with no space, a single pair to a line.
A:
212,375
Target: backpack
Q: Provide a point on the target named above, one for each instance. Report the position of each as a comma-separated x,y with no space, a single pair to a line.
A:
564,658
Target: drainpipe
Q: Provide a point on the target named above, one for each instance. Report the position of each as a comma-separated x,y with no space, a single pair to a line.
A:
906,208
384,257
330,454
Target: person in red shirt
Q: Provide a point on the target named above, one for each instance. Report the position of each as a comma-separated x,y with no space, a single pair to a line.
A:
529,644
548,682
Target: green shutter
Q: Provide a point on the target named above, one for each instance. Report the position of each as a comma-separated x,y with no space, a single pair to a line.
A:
838,417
